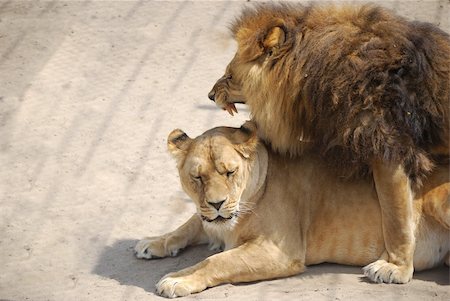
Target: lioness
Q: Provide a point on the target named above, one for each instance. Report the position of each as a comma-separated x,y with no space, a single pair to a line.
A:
274,215
369,90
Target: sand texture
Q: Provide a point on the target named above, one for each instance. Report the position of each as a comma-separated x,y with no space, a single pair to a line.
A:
89,92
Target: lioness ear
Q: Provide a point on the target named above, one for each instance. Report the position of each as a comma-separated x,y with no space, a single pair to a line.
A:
249,127
274,38
248,139
178,143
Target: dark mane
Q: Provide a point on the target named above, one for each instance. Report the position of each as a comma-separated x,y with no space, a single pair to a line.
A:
361,83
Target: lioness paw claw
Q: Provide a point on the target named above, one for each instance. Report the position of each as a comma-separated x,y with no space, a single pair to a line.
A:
382,271
154,247
174,253
172,287
149,248
215,247
141,250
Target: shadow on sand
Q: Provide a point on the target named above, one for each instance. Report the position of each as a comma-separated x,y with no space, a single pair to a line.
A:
440,275
119,263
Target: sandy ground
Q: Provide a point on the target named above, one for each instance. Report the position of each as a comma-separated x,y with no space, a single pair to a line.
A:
89,92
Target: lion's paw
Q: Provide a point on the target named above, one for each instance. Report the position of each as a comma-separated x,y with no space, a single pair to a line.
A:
149,248
382,271
172,287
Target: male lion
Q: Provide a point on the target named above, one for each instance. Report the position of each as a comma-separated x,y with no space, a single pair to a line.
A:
273,215
367,89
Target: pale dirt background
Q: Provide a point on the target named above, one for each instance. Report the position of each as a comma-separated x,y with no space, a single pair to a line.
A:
89,92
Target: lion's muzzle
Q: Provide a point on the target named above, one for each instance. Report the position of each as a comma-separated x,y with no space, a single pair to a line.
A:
222,102
212,94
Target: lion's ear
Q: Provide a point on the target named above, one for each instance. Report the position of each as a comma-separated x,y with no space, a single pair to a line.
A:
178,143
246,139
253,44
274,38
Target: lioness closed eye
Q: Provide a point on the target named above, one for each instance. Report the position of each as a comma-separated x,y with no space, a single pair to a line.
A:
238,186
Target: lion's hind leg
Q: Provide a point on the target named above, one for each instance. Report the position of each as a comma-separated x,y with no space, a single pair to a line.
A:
395,197
437,204
190,233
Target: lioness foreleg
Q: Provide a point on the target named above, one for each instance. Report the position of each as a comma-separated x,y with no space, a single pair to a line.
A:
248,262
190,233
395,197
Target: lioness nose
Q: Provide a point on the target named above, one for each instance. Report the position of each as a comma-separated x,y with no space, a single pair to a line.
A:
212,94
216,205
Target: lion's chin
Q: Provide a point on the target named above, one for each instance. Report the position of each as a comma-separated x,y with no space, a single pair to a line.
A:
227,104
230,108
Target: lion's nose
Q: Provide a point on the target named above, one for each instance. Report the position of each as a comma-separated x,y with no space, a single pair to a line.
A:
216,205
212,94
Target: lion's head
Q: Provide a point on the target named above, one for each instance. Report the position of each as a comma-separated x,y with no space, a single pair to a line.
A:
262,38
215,171
265,74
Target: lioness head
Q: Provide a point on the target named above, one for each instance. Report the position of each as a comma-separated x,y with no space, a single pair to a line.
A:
214,170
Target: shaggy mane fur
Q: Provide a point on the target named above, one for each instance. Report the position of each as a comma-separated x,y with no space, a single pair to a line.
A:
360,83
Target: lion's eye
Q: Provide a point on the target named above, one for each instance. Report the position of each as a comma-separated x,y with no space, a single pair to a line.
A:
229,76
231,173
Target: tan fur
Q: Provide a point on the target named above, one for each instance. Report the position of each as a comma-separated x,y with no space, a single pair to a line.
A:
285,214
366,89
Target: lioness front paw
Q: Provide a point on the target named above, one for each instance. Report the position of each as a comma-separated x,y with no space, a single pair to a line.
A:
382,271
172,287
153,247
